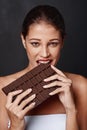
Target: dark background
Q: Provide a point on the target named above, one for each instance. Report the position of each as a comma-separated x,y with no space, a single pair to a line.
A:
12,54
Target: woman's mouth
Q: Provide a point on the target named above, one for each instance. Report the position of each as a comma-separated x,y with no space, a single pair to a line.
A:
44,61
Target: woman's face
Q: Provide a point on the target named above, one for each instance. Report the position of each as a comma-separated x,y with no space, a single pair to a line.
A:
43,44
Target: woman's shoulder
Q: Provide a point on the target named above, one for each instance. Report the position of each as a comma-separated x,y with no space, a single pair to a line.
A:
79,85
5,80
78,81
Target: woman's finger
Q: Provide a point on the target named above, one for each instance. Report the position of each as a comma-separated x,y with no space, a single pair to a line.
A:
58,71
11,95
56,83
58,77
21,96
26,109
56,91
26,101
64,89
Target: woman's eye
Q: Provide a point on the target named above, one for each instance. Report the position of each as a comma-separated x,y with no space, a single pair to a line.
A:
35,44
53,44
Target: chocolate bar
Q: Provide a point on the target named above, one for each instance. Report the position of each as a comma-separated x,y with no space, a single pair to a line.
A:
34,79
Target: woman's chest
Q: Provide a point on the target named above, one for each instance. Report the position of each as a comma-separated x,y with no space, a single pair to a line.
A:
50,106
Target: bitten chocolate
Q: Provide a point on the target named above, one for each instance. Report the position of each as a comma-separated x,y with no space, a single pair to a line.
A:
33,79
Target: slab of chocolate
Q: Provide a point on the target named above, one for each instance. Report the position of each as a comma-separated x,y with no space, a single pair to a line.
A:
34,79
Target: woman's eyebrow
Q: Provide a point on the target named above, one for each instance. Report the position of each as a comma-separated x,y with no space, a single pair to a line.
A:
34,39
54,39
37,39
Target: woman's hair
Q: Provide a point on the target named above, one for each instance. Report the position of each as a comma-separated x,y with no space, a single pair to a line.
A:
46,13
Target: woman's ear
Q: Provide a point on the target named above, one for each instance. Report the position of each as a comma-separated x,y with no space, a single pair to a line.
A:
23,41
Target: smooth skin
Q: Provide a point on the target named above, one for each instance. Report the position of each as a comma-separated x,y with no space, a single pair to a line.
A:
43,44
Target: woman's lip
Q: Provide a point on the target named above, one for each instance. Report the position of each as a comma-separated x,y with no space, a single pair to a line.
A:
44,61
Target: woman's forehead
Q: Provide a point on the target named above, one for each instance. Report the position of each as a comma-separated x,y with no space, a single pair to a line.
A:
42,28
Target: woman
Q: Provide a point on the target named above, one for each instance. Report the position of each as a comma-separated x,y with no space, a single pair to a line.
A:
43,33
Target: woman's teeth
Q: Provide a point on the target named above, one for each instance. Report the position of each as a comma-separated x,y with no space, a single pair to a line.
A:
44,62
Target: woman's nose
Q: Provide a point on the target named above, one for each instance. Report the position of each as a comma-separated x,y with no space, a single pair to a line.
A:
45,52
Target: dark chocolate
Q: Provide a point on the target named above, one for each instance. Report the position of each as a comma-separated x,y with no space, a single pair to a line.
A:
33,79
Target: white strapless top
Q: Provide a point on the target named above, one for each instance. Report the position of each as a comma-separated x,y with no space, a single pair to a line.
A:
46,122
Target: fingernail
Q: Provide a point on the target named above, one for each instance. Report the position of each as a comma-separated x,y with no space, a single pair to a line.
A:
34,95
44,86
29,90
45,80
20,90
51,65
51,93
33,103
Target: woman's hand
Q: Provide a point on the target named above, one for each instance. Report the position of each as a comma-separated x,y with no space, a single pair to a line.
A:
64,88
17,110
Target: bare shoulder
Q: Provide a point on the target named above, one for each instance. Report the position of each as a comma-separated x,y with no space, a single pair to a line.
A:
79,82
79,85
5,80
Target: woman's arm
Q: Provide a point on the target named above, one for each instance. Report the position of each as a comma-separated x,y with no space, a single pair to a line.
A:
71,120
65,95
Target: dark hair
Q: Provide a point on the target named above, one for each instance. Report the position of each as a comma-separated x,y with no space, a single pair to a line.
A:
45,13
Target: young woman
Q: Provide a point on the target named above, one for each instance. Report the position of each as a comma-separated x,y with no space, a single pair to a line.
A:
43,33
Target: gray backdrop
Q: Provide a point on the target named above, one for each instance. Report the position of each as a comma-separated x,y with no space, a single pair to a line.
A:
12,54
